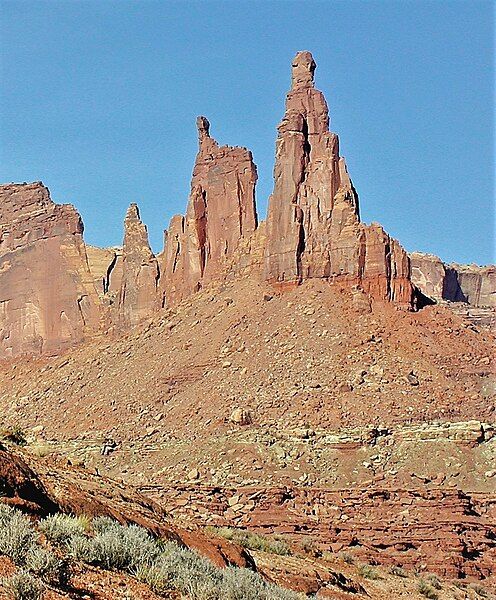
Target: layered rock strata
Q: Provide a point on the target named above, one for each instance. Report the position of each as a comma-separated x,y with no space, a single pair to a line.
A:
48,299
313,223
221,212
448,531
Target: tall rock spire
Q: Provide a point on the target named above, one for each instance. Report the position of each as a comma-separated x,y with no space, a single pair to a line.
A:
221,211
138,296
307,175
313,222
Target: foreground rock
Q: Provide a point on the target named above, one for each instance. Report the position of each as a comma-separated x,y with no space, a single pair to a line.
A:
447,531
45,488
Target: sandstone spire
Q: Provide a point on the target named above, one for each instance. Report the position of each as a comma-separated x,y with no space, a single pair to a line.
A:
313,222
221,211
138,296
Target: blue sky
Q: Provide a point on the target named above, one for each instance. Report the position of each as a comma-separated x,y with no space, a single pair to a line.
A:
99,101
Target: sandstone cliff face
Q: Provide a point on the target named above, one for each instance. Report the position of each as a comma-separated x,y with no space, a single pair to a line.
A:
106,268
221,212
313,223
48,300
455,283
138,294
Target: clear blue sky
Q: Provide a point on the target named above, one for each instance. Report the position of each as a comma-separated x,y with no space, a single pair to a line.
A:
99,102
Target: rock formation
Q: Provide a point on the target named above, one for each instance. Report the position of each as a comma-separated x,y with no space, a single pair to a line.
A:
138,295
456,283
313,223
54,291
221,212
106,268
48,300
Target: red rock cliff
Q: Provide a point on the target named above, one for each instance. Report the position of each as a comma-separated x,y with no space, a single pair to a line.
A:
313,224
48,299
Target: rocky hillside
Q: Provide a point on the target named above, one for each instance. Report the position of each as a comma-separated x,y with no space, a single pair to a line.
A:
297,397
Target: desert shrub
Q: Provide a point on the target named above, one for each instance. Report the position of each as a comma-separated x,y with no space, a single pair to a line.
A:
60,528
434,581
124,548
17,535
348,558
47,566
81,548
166,566
398,571
15,435
188,572
253,541
23,586
368,572
101,524
478,589
427,590
6,513
241,584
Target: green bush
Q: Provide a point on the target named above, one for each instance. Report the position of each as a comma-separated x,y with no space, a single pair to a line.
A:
81,548
348,558
253,541
427,590
124,548
23,586
17,535
434,581
47,566
60,529
241,584
368,572
101,524
478,589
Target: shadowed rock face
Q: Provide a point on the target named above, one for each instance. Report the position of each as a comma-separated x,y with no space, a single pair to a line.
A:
313,222
48,300
221,212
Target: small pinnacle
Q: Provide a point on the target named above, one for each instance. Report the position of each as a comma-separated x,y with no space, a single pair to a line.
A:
303,67
203,128
133,212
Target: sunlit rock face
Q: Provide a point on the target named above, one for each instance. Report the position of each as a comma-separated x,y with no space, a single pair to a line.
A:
48,299
313,222
221,213
138,294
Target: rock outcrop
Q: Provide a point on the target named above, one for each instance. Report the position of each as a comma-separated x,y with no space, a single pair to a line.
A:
106,268
453,282
221,212
313,222
138,295
448,531
48,300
